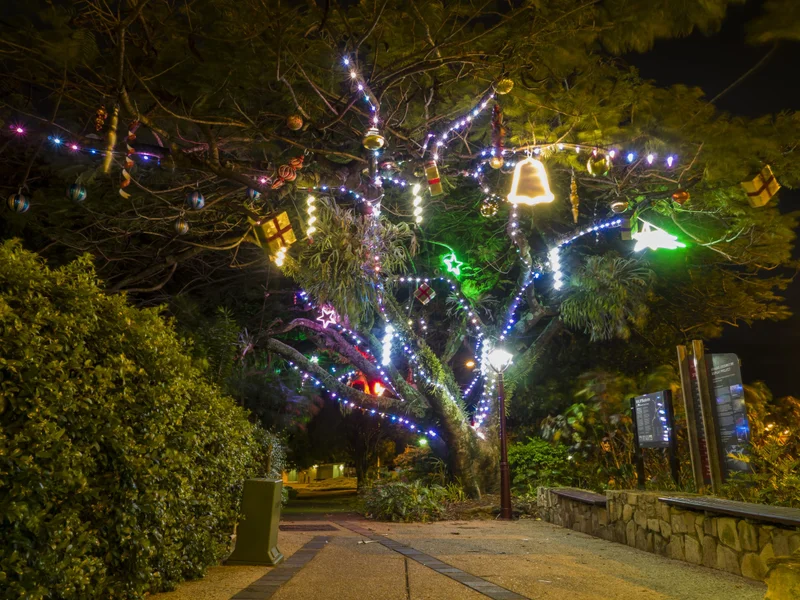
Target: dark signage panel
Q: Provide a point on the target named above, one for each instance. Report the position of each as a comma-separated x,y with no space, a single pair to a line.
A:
652,424
732,423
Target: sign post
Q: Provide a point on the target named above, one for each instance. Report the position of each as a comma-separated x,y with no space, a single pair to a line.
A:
653,427
732,424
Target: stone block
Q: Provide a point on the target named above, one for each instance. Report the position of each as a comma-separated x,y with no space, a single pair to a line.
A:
654,524
783,579
659,545
794,543
678,522
630,533
727,560
710,526
753,567
641,539
767,552
764,535
664,510
666,529
640,518
692,550
631,499
627,512
710,552
650,541
650,510
619,533
780,542
675,548
729,534
748,536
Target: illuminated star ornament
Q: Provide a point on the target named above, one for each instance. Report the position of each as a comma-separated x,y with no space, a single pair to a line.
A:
452,263
650,236
328,316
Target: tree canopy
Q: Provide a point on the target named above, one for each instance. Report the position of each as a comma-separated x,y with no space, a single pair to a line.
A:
254,105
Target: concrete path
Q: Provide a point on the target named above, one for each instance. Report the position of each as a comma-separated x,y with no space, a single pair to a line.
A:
528,559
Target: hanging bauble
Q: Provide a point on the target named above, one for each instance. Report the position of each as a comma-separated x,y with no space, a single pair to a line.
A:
100,118
18,203
489,207
294,122
373,140
181,226
419,171
195,200
496,162
574,200
681,197
598,164
504,86
619,206
76,192
507,167
287,173
253,194
388,168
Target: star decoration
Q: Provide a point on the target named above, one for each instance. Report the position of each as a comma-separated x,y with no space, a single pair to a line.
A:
328,316
655,238
453,264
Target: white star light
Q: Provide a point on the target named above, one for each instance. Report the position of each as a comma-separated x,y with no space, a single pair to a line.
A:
655,238
328,316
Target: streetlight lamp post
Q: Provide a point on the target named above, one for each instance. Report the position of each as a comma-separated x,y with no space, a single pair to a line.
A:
499,359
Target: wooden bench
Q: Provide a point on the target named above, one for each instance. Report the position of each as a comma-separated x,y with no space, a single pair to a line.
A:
581,496
744,510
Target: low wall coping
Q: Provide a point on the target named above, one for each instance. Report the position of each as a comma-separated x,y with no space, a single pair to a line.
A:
747,510
581,496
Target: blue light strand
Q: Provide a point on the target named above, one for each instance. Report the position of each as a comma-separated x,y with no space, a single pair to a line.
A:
442,140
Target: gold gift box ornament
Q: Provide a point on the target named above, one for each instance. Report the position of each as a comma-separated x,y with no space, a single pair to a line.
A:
274,233
762,188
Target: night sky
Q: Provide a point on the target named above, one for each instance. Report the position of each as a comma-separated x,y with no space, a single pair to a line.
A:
769,351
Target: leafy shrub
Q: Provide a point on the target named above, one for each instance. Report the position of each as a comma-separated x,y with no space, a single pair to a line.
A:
418,463
120,465
405,502
538,462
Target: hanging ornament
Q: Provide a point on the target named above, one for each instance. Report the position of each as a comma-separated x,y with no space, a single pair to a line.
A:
275,233
452,264
489,206
18,203
373,140
598,164
425,293
681,197
327,316
100,118
504,86
762,188
574,200
434,182
530,184
128,164
195,200
619,206
419,171
288,172
294,122
508,167
181,226
253,194
388,168
76,192
655,238
496,162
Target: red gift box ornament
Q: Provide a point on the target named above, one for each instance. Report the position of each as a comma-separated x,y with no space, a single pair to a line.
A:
424,293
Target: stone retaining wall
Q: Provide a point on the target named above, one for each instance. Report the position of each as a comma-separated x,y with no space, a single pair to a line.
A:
739,546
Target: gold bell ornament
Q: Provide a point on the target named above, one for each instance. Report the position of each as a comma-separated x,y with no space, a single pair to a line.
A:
496,162
574,200
373,140
530,184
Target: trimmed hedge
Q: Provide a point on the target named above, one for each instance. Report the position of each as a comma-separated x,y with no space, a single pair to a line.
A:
120,465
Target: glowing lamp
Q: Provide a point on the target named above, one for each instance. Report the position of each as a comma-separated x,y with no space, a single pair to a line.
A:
499,359
378,388
530,184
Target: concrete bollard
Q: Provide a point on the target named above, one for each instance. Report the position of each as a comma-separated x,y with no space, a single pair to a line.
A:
257,533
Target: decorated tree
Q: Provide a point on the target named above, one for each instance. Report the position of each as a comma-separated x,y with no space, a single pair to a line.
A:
415,182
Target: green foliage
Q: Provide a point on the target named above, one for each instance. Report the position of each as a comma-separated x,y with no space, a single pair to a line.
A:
773,453
419,463
121,465
609,297
404,502
538,462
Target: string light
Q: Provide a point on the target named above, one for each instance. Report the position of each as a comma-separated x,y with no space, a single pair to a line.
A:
280,256
417,202
388,334
312,218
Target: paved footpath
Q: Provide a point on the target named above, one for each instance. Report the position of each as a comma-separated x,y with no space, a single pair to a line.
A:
463,560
